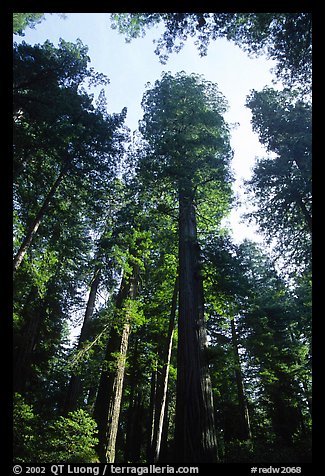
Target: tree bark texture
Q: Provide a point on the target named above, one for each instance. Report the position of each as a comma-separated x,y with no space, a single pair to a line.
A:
195,434
108,401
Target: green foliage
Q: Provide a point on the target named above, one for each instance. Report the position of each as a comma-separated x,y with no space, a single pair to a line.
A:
134,312
72,439
63,440
189,157
133,25
242,282
280,188
99,221
42,269
284,37
84,148
23,20
25,437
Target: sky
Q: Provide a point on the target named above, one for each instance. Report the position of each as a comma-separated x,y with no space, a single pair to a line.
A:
130,66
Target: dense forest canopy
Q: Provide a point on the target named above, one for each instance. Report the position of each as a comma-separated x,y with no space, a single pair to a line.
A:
192,349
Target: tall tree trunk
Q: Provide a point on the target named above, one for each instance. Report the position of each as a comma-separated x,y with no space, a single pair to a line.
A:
75,388
131,435
138,426
108,402
165,451
195,434
245,432
32,230
161,394
152,414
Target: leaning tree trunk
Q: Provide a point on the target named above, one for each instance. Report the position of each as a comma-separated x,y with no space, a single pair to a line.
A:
108,401
195,433
162,384
34,226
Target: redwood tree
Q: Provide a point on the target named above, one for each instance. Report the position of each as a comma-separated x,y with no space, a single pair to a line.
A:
187,153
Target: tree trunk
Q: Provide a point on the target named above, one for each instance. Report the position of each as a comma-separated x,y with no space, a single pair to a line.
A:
32,230
74,388
138,427
165,455
245,433
161,394
195,430
108,402
130,434
152,414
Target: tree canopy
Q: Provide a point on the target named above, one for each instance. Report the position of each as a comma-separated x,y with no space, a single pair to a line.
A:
23,20
142,332
284,37
281,186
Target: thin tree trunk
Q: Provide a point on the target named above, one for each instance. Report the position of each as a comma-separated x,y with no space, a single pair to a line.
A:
164,454
75,387
108,402
152,414
161,396
195,434
243,409
32,230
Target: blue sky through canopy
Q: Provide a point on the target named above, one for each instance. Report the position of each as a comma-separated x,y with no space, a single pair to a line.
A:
130,66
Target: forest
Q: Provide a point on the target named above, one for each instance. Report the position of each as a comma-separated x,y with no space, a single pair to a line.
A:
192,348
